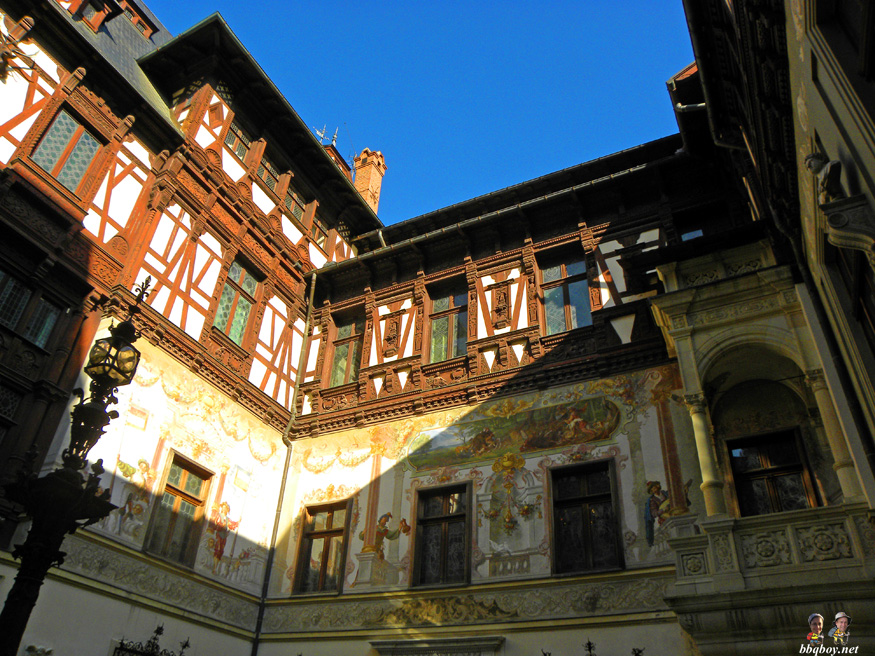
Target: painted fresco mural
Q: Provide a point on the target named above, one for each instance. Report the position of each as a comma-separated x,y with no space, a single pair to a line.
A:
506,448
168,411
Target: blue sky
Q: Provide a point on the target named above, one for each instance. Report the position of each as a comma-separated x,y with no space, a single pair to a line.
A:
464,98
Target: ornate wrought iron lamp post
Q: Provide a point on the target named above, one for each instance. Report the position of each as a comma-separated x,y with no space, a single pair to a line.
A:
64,500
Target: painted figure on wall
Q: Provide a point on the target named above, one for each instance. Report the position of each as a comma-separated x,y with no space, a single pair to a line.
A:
221,525
657,508
136,493
383,532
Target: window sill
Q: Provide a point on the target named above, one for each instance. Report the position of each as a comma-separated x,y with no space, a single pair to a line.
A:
34,175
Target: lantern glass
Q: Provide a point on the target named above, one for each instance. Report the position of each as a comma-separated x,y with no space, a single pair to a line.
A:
126,363
100,359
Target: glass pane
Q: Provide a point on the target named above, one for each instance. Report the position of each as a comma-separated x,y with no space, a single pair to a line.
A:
598,482
753,497
551,273
570,551
745,459
332,569
235,272
161,523
79,160
338,369
575,268
439,337
578,301
319,521
791,492
41,323
344,330
241,316
457,503
194,484
603,539
461,334
568,487
178,544
431,506
250,284
339,518
460,300
430,555
455,552
440,304
554,310
312,565
783,452
56,140
223,312
13,300
354,360
175,475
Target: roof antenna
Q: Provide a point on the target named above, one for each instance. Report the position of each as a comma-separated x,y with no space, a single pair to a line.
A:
321,134
334,138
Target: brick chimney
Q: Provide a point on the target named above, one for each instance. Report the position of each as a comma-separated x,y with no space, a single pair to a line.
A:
369,170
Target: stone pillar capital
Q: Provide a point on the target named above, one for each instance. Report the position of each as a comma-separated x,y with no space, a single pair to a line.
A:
696,403
815,379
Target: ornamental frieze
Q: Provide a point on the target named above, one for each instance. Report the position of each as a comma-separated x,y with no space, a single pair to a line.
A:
519,605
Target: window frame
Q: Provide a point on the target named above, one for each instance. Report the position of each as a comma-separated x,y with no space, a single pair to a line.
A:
27,310
856,277
59,164
133,14
157,533
353,365
444,520
239,138
770,472
564,282
451,292
266,172
319,234
306,538
238,291
568,471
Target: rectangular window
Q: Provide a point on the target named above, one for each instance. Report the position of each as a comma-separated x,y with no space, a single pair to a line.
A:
268,174
33,319
176,521
858,279
66,151
323,545
449,325
566,296
442,536
319,233
137,19
237,140
586,534
295,204
770,475
347,352
236,303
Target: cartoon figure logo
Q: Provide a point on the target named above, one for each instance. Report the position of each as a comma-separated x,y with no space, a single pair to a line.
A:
815,623
839,631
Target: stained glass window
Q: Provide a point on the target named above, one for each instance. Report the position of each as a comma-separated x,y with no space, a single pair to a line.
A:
34,319
268,174
237,140
770,474
585,527
347,351
566,296
449,324
442,536
175,527
323,545
66,151
42,321
236,303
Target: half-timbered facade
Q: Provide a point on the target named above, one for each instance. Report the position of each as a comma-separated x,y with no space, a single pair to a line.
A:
600,404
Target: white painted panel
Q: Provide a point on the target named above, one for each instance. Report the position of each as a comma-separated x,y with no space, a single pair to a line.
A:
211,242
648,236
407,304
194,324
316,256
14,97
6,149
373,354
123,199
261,199
204,137
489,356
175,314
109,232
605,293
487,280
501,331
256,373
281,391
519,348
609,246
152,260
101,193
383,310
139,152
43,61
378,384
514,274
405,322
20,130
402,377
623,326
162,234
290,231
91,222
617,273
208,283
232,165
307,404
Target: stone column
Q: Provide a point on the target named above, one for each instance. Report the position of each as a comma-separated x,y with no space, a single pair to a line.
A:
712,482
844,465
